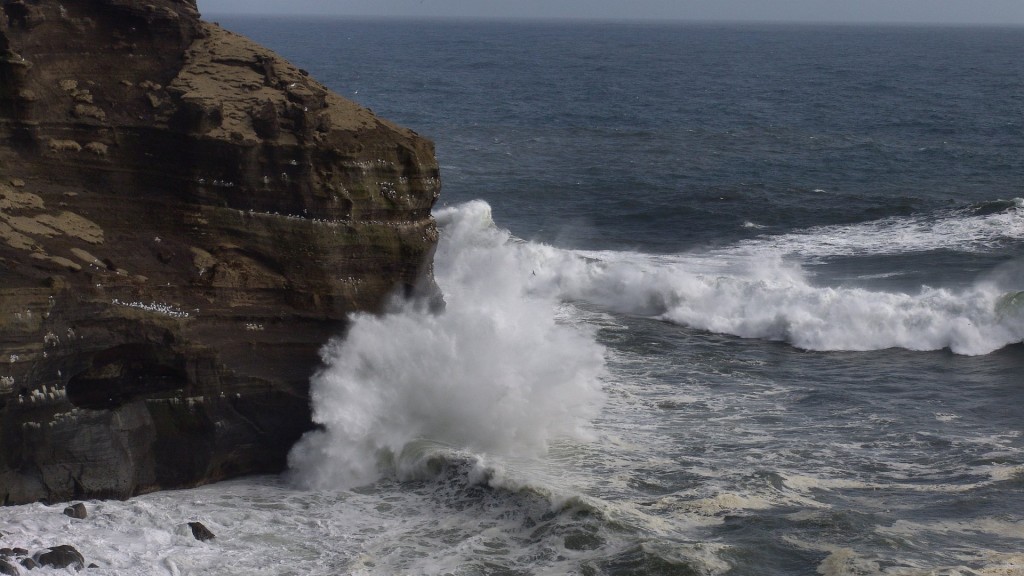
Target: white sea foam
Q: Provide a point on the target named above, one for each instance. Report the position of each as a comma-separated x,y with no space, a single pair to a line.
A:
842,560
846,562
495,372
762,294
962,230
986,525
777,303
264,527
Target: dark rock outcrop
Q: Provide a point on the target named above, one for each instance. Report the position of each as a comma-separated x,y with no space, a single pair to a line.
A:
185,218
76,511
8,552
63,556
200,532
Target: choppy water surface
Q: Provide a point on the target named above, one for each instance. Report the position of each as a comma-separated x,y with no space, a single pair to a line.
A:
720,300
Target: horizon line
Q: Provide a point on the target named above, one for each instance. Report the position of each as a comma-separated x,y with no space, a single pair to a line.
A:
608,20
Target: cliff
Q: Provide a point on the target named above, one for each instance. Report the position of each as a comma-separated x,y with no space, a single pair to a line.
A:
185,218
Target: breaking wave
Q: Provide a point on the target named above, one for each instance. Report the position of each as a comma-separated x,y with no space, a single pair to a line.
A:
497,372
509,365
772,299
755,289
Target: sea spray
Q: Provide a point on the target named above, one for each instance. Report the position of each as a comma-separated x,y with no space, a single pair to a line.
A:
496,372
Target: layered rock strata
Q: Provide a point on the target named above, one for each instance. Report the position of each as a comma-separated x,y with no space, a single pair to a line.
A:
185,218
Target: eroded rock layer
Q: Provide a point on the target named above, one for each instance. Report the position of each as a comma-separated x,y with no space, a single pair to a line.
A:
185,218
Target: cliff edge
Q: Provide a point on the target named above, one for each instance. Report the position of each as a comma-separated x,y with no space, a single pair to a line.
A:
185,218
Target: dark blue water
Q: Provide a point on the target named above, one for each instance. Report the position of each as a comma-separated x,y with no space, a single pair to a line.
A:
673,136
799,247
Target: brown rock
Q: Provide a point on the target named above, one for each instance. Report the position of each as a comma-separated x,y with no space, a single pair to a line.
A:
169,268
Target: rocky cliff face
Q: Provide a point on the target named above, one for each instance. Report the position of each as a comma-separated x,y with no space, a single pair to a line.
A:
184,219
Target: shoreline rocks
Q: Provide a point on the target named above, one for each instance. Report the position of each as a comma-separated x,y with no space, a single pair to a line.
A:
76,511
63,556
15,560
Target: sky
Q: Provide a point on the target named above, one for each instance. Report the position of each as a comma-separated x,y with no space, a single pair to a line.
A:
1005,12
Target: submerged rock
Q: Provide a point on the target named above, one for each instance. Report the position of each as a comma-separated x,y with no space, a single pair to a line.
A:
185,218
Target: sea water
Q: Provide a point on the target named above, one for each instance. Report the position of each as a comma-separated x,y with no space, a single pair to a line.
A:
724,299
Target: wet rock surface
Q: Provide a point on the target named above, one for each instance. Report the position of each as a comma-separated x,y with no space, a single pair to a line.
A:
185,218
63,556
200,532
76,511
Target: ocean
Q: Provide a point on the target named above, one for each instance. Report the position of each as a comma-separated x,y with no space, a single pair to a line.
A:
720,299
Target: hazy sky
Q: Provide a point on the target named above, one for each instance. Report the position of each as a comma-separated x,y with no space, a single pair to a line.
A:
897,11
